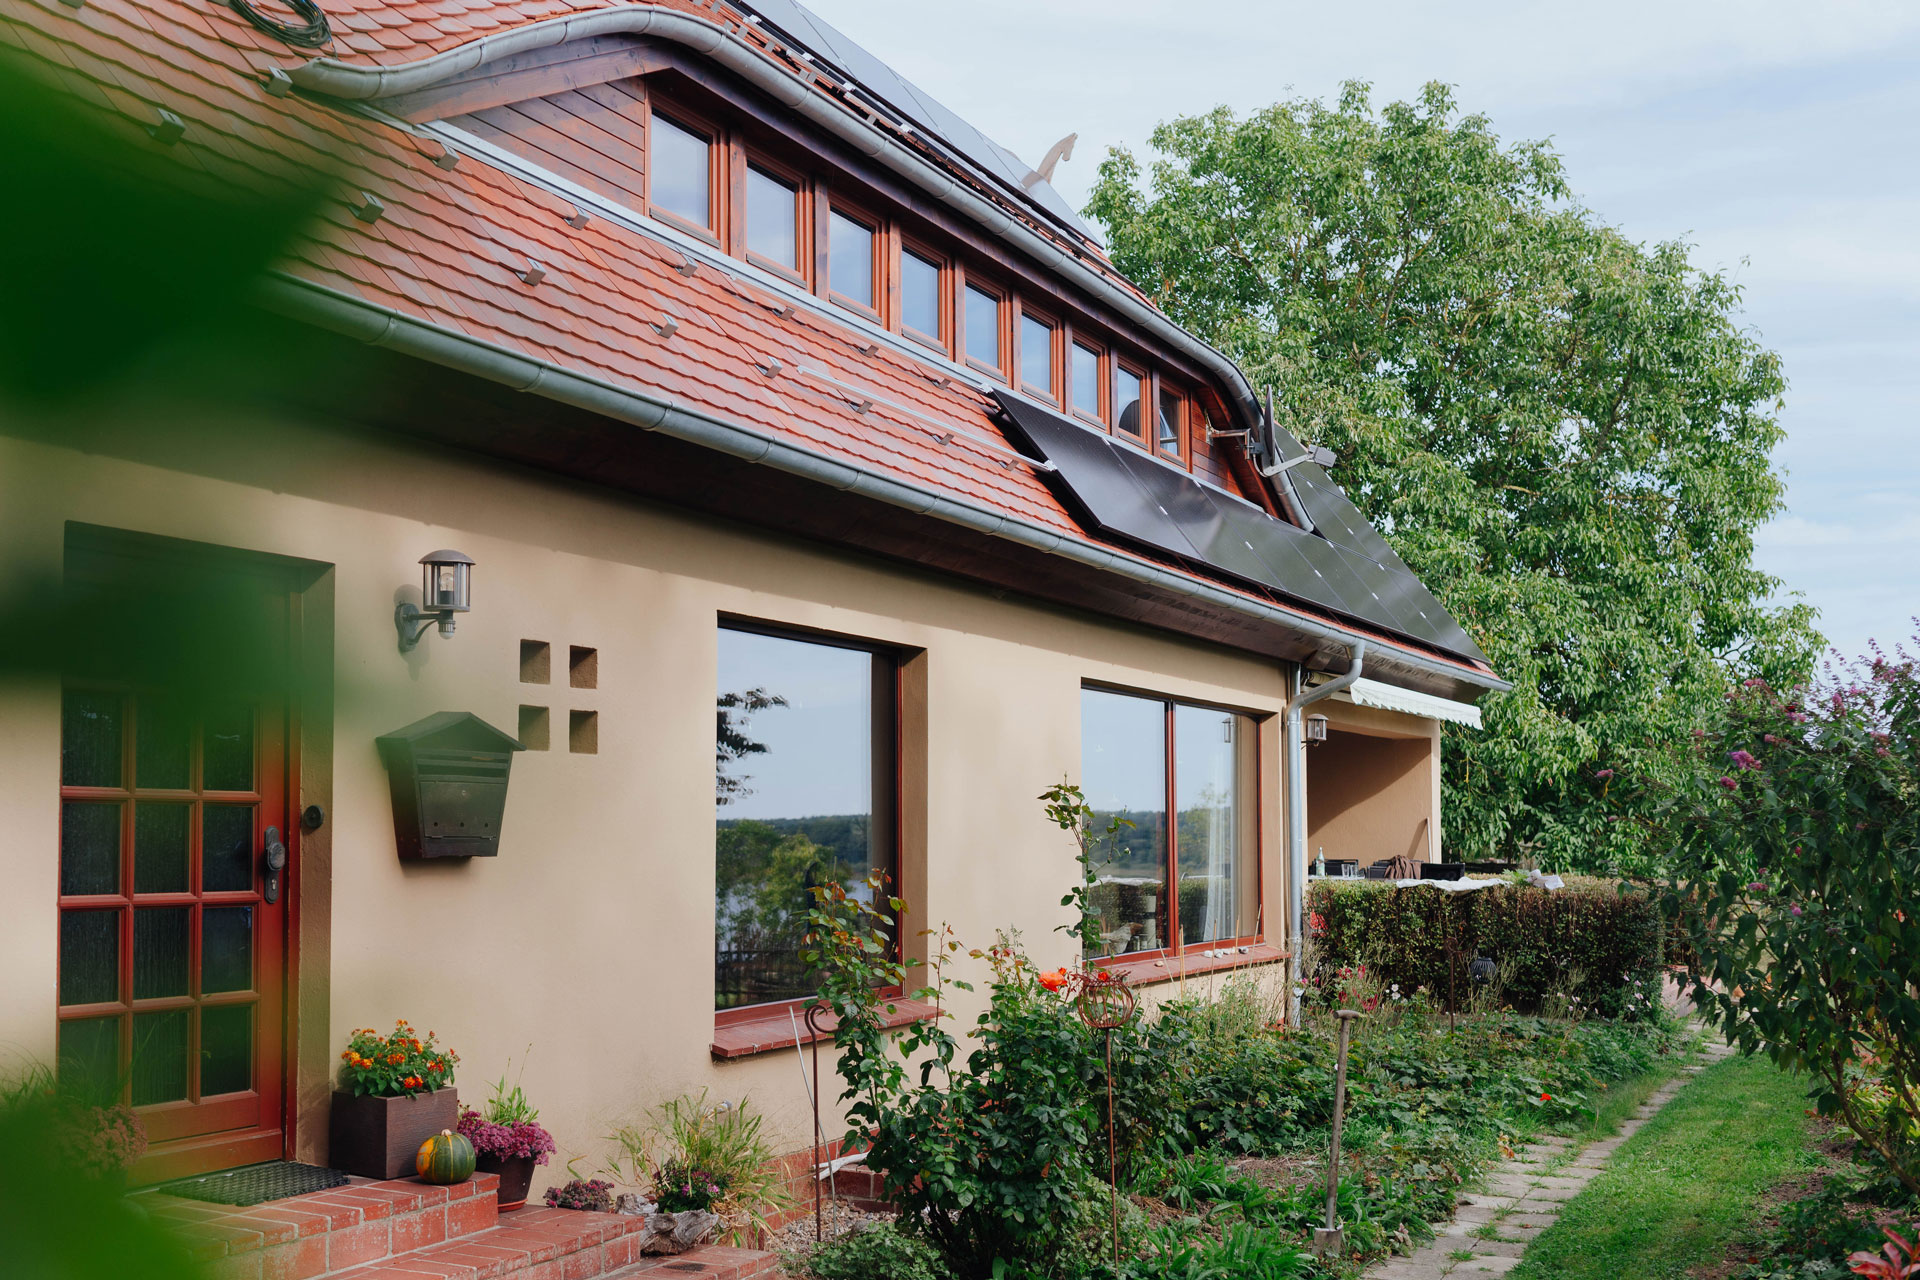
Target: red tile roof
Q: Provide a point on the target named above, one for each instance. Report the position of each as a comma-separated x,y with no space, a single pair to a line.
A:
450,245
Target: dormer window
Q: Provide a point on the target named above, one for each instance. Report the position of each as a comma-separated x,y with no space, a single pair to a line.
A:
1170,424
850,262
1085,376
1036,355
983,328
682,180
920,307
773,219
1128,388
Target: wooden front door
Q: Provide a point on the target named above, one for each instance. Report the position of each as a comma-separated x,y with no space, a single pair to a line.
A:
173,919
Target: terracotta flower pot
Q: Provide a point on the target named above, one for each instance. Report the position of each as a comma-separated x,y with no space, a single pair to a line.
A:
377,1137
516,1175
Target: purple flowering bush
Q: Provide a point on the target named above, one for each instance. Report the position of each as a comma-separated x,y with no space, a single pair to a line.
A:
595,1195
679,1186
1795,878
516,1141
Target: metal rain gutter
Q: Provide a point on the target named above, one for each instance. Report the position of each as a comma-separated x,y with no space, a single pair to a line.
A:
392,330
357,82
1296,752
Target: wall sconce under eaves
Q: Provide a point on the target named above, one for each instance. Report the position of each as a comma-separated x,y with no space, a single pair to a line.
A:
1316,729
446,589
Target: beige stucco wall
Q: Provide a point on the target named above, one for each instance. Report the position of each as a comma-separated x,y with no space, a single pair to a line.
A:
1373,787
590,937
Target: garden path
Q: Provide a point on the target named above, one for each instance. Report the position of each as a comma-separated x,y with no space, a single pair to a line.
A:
1524,1197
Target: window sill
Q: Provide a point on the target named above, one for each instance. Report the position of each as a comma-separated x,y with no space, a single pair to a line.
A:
1147,972
773,1030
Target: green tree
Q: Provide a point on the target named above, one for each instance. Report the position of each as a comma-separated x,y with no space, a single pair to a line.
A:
1567,435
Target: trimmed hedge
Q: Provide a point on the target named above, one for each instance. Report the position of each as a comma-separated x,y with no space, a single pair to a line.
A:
1613,940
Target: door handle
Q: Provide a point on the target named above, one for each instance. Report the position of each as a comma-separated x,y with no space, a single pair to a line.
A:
273,860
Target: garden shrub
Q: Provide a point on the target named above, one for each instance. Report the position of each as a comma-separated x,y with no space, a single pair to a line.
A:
879,1252
1589,940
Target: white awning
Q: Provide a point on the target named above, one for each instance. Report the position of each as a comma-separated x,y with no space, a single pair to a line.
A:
1372,693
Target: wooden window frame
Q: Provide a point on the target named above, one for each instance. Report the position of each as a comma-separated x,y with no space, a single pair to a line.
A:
719,170
1176,944
888,723
965,280
743,158
827,205
1118,364
944,288
1056,374
1101,390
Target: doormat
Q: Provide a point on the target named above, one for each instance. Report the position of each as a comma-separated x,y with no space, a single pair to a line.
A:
256,1183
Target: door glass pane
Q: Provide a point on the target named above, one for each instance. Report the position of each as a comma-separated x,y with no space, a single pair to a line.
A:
89,1065
226,848
1216,850
227,762
226,949
89,848
162,745
90,728
1123,772
983,327
773,211
226,1048
679,182
89,957
1086,380
160,847
1036,353
1169,423
160,952
850,258
794,792
1126,400
160,1057
920,294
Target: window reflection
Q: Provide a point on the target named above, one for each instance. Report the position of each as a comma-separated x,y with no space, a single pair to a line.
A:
773,213
983,326
920,294
679,182
1212,755
1086,380
794,786
1036,353
1169,438
1126,399
1123,772
850,258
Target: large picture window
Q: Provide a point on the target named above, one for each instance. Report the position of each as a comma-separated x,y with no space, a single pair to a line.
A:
804,796
1191,882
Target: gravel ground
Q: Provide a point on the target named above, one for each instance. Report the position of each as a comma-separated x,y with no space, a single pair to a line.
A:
837,1218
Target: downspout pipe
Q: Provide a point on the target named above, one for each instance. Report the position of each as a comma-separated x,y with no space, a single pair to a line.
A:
1296,751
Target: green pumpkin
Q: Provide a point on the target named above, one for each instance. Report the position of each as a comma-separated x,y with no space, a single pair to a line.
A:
445,1158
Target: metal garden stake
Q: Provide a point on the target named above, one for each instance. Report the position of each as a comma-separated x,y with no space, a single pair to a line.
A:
815,1013
1327,1240
1105,1003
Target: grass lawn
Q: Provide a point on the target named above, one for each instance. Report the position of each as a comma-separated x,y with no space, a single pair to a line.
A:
1685,1184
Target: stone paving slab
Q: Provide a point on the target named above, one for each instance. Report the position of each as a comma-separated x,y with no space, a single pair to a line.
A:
1519,1201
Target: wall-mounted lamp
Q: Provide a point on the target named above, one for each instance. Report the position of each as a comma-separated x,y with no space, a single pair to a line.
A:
446,588
1316,729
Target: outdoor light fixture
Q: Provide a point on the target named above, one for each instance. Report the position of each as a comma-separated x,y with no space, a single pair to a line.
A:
1316,729
446,588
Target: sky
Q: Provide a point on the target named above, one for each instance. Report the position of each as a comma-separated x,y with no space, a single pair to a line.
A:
1777,139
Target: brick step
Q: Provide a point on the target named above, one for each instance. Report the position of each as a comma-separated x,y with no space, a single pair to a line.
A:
327,1231
561,1244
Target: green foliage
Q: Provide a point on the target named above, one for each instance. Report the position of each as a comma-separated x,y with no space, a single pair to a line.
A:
1241,1252
1796,860
878,1252
1565,434
1593,943
723,1142
1067,808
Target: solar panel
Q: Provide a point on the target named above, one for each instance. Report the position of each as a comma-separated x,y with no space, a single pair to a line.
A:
1113,488
808,31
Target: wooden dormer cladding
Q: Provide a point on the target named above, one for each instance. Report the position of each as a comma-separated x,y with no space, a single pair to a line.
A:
597,135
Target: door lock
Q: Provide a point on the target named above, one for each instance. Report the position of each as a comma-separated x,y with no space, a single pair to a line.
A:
273,860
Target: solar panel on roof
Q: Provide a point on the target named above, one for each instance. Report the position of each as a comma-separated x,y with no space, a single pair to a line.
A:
888,86
1113,488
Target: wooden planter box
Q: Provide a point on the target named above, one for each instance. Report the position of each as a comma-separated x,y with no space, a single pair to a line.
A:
378,1137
